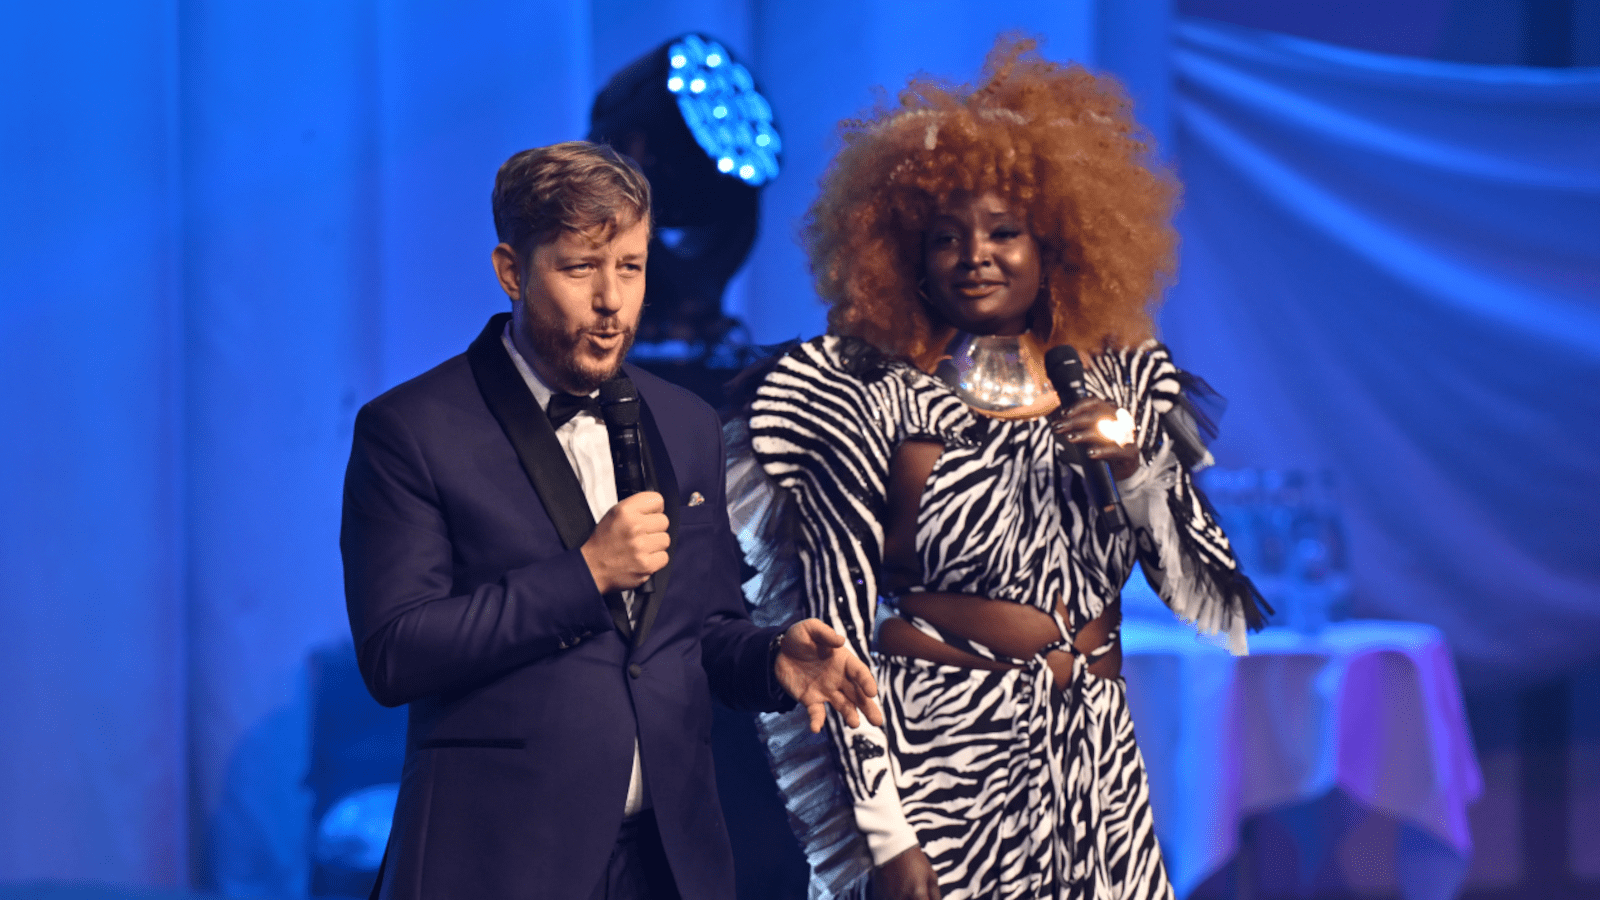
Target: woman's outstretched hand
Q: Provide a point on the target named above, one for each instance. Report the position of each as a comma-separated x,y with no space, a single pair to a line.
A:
1079,425
908,876
819,671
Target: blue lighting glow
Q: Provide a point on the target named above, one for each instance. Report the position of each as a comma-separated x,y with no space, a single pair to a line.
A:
730,121
353,833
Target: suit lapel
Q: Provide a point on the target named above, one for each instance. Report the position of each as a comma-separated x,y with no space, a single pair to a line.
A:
666,482
528,429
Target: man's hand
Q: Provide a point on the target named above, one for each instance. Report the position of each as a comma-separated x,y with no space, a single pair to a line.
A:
629,544
908,876
819,671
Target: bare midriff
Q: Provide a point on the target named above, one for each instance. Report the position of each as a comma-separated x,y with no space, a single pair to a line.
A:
1009,629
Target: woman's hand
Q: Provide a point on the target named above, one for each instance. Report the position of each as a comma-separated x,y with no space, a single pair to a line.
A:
908,876
1079,425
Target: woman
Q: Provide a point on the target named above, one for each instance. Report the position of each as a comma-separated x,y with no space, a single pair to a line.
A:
936,496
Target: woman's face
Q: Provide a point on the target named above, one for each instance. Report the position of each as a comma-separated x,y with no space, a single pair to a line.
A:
981,265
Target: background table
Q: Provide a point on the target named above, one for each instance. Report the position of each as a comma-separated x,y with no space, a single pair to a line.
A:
1370,709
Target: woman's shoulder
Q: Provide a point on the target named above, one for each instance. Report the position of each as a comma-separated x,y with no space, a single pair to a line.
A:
832,363
859,387
1144,373
849,356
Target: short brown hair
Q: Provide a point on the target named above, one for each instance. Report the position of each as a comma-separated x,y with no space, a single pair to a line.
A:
1057,142
573,186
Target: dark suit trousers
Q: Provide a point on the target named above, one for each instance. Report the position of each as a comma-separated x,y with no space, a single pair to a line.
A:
638,868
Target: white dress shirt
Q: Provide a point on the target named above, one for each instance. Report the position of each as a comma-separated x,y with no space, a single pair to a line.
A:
588,449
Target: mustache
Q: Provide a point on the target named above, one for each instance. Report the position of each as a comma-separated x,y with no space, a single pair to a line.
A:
612,325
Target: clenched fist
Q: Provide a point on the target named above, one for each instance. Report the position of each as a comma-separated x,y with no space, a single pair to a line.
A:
629,544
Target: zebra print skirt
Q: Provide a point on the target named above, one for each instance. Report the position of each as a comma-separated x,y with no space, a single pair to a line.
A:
1019,790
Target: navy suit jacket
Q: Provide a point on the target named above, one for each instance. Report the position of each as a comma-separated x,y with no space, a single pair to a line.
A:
470,601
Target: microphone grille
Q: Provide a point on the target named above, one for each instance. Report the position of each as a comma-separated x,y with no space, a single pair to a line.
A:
619,402
1065,371
1064,355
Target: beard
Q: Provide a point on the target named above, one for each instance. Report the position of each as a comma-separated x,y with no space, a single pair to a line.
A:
575,367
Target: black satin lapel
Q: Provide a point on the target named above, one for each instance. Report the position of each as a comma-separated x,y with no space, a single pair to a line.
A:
529,431
666,482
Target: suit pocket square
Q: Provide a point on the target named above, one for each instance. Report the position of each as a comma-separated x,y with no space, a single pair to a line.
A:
695,499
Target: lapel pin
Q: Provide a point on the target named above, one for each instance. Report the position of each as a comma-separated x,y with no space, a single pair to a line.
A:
695,498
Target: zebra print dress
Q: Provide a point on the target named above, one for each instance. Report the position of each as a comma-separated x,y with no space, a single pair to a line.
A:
1013,789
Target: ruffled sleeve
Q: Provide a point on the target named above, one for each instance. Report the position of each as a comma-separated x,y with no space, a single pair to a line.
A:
823,427
1185,554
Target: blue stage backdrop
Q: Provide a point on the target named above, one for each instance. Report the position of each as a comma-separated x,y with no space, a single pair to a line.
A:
224,226
1392,269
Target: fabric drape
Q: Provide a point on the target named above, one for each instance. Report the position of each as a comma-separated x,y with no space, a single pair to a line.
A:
1392,269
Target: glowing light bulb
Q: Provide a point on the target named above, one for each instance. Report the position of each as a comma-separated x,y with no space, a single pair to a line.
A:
697,85
725,164
679,61
675,84
714,60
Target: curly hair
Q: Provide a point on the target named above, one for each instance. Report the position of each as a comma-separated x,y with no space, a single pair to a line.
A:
1056,142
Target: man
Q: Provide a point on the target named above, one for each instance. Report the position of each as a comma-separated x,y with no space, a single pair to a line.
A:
559,726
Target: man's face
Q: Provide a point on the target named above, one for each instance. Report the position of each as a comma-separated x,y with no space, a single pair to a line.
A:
576,303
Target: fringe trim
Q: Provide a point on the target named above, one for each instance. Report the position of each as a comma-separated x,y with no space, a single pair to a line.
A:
1217,600
821,811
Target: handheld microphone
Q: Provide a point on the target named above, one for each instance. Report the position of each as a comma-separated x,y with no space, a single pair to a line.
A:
619,408
1065,370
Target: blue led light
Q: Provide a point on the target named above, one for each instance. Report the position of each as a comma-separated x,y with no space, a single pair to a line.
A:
730,121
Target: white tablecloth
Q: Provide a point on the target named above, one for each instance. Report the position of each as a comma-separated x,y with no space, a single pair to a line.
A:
1370,708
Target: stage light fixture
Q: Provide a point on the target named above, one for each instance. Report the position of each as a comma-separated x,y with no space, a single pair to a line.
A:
728,117
690,114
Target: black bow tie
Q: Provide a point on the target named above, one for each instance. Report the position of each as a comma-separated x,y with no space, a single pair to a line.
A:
564,406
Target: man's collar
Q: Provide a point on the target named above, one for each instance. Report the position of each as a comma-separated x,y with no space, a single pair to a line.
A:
541,391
